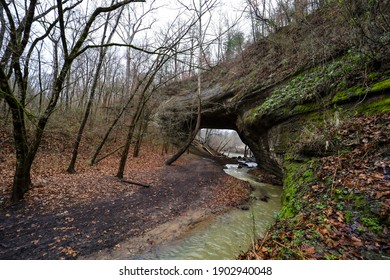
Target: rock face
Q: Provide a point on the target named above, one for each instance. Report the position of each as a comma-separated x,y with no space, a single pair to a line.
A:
279,121
282,92
272,135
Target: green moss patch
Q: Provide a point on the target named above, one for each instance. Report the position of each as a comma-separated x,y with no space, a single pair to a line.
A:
302,93
359,91
298,178
381,86
379,106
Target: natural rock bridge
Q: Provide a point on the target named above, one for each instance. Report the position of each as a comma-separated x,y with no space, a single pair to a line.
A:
225,110
270,123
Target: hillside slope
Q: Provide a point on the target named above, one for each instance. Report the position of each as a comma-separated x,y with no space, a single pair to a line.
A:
312,102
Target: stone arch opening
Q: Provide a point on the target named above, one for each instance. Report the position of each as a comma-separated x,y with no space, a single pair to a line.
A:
225,141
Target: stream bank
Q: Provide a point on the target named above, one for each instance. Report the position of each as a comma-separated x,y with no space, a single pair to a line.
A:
225,236
91,214
336,205
208,233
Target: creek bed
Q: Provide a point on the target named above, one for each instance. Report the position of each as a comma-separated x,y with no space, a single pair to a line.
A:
227,235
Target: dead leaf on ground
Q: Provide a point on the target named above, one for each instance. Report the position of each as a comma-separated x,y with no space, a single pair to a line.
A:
309,250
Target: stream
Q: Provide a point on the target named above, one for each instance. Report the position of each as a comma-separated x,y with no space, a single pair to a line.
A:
224,237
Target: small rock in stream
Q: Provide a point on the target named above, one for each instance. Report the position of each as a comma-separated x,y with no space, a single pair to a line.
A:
264,198
243,207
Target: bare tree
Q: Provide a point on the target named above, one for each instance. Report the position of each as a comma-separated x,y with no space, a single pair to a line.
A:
202,8
142,127
23,33
370,21
128,29
148,86
102,54
260,14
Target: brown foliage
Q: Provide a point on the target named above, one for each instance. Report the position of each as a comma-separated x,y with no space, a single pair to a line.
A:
352,222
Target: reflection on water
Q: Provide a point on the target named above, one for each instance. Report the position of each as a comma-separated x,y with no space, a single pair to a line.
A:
225,236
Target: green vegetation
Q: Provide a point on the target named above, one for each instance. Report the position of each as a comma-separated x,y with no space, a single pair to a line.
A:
349,94
324,86
381,86
309,85
378,106
298,177
372,224
360,91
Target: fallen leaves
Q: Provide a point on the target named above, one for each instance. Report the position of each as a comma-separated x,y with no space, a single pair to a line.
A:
356,241
232,192
344,214
309,250
382,194
69,219
69,251
65,216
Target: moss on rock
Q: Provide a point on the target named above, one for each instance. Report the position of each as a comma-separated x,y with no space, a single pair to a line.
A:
298,177
377,106
381,86
359,91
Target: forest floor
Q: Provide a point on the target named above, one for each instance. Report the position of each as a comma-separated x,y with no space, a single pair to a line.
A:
92,214
336,206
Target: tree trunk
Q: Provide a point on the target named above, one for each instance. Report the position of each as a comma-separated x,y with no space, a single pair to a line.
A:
72,164
191,137
100,147
71,168
137,146
109,154
122,164
102,53
141,132
22,177
92,161
165,147
25,151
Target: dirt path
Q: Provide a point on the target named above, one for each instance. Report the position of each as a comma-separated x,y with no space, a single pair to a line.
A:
116,223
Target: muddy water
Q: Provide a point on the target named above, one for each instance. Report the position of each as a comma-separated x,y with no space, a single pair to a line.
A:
225,236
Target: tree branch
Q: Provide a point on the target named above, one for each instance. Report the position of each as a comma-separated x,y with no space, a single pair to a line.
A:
135,183
76,49
62,28
118,45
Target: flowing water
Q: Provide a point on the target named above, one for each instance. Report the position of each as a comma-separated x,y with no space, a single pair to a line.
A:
225,236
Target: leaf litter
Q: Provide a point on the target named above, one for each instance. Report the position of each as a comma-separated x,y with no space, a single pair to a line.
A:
67,216
344,214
